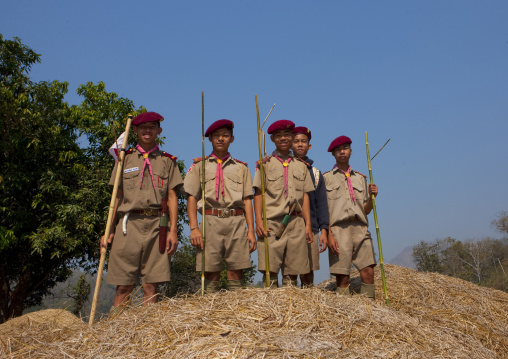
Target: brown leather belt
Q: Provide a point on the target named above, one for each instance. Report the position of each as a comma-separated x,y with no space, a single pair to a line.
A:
224,212
148,212
295,213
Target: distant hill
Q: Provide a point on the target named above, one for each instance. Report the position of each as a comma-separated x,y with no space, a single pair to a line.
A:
404,258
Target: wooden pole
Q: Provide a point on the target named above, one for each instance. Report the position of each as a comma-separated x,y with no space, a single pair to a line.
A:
203,201
262,176
381,263
109,222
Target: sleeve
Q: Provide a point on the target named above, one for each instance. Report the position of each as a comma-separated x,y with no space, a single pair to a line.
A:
308,186
174,178
247,183
321,204
192,181
366,190
257,180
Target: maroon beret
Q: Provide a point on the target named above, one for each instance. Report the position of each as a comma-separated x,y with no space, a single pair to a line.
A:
147,117
302,130
281,125
338,141
219,124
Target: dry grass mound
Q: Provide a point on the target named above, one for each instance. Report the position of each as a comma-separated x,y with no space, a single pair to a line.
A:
430,316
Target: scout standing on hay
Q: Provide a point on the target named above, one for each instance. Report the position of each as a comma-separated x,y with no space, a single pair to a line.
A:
287,182
318,204
150,178
228,214
349,204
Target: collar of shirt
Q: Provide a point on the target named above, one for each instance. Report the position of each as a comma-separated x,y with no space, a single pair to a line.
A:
308,160
277,153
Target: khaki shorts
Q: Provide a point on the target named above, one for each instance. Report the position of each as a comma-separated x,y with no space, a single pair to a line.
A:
355,246
225,238
313,250
137,253
288,253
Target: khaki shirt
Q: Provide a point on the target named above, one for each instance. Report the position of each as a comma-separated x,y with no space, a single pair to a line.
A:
237,183
166,176
340,206
299,182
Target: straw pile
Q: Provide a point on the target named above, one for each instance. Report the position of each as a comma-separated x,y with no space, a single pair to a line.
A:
430,316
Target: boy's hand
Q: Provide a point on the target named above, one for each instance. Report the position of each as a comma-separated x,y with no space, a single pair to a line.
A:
171,243
196,238
332,244
323,241
308,233
260,231
253,244
373,190
111,236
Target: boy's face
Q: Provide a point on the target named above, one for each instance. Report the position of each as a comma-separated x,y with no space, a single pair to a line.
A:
301,145
221,139
342,153
147,132
283,140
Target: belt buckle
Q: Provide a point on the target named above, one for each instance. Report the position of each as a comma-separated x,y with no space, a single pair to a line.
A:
150,212
224,213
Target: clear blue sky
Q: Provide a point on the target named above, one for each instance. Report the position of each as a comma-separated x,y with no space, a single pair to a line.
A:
430,75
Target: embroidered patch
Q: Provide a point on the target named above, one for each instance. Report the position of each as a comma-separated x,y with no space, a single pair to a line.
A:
128,170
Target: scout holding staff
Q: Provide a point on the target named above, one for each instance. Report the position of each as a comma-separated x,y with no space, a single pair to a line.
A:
150,178
228,210
318,204
349,203
287,182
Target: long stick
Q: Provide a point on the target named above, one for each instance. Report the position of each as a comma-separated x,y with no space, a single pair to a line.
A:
381,263
203,192
262,176
109,221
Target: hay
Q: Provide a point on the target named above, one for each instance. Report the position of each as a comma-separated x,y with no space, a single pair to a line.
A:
430,316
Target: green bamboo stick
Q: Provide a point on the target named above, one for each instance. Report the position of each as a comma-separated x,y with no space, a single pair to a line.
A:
262,176
381,263
203,201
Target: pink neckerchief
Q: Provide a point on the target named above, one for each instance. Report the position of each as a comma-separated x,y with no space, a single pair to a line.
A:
285,164
147,161
219,179
349,184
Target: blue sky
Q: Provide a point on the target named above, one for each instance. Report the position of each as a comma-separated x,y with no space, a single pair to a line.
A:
430,75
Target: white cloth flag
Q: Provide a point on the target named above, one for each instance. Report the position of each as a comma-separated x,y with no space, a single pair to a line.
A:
115,146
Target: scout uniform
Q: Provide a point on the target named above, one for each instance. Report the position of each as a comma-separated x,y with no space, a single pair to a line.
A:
286,181
347,193
228,182
135,248
318,205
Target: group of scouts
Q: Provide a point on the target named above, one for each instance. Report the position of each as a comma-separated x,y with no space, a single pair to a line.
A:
324,210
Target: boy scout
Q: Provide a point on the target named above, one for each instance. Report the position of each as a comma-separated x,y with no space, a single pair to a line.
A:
349,203
149,176
318,204
287,182
228,213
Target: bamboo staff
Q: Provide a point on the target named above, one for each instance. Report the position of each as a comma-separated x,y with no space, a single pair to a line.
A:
381,263
263,206
109,221
203,192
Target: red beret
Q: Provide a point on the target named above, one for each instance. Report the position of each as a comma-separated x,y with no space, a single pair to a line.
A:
302,130
281,125
338,141
147,117
219,124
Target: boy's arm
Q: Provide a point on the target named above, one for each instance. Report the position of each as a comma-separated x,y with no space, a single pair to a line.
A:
172,237
373,190
306,217
258,211
119,195
332,242
322,213
249,218
192,212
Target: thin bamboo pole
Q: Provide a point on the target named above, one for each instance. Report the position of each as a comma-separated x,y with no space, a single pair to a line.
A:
381,262
109,221
203,201
262,176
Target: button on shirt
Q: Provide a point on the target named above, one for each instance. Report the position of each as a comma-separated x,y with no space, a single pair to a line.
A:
340,206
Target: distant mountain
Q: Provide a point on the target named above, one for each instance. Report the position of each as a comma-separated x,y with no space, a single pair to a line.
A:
404,258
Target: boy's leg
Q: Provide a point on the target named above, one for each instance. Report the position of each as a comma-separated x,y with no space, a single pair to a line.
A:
364,258
236,251
212,282
276,249
149,293
214,251
122,291
296,257
235,279
340,265
313,249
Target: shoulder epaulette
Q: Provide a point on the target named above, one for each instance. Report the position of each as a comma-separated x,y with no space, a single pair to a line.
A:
199,159
361,174
243,163
299,159
169,156
265,159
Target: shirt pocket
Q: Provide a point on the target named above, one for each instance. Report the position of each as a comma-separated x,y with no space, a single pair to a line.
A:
359,193
298,181
209,183
334,191
275,181
161,180
233,182
131,179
